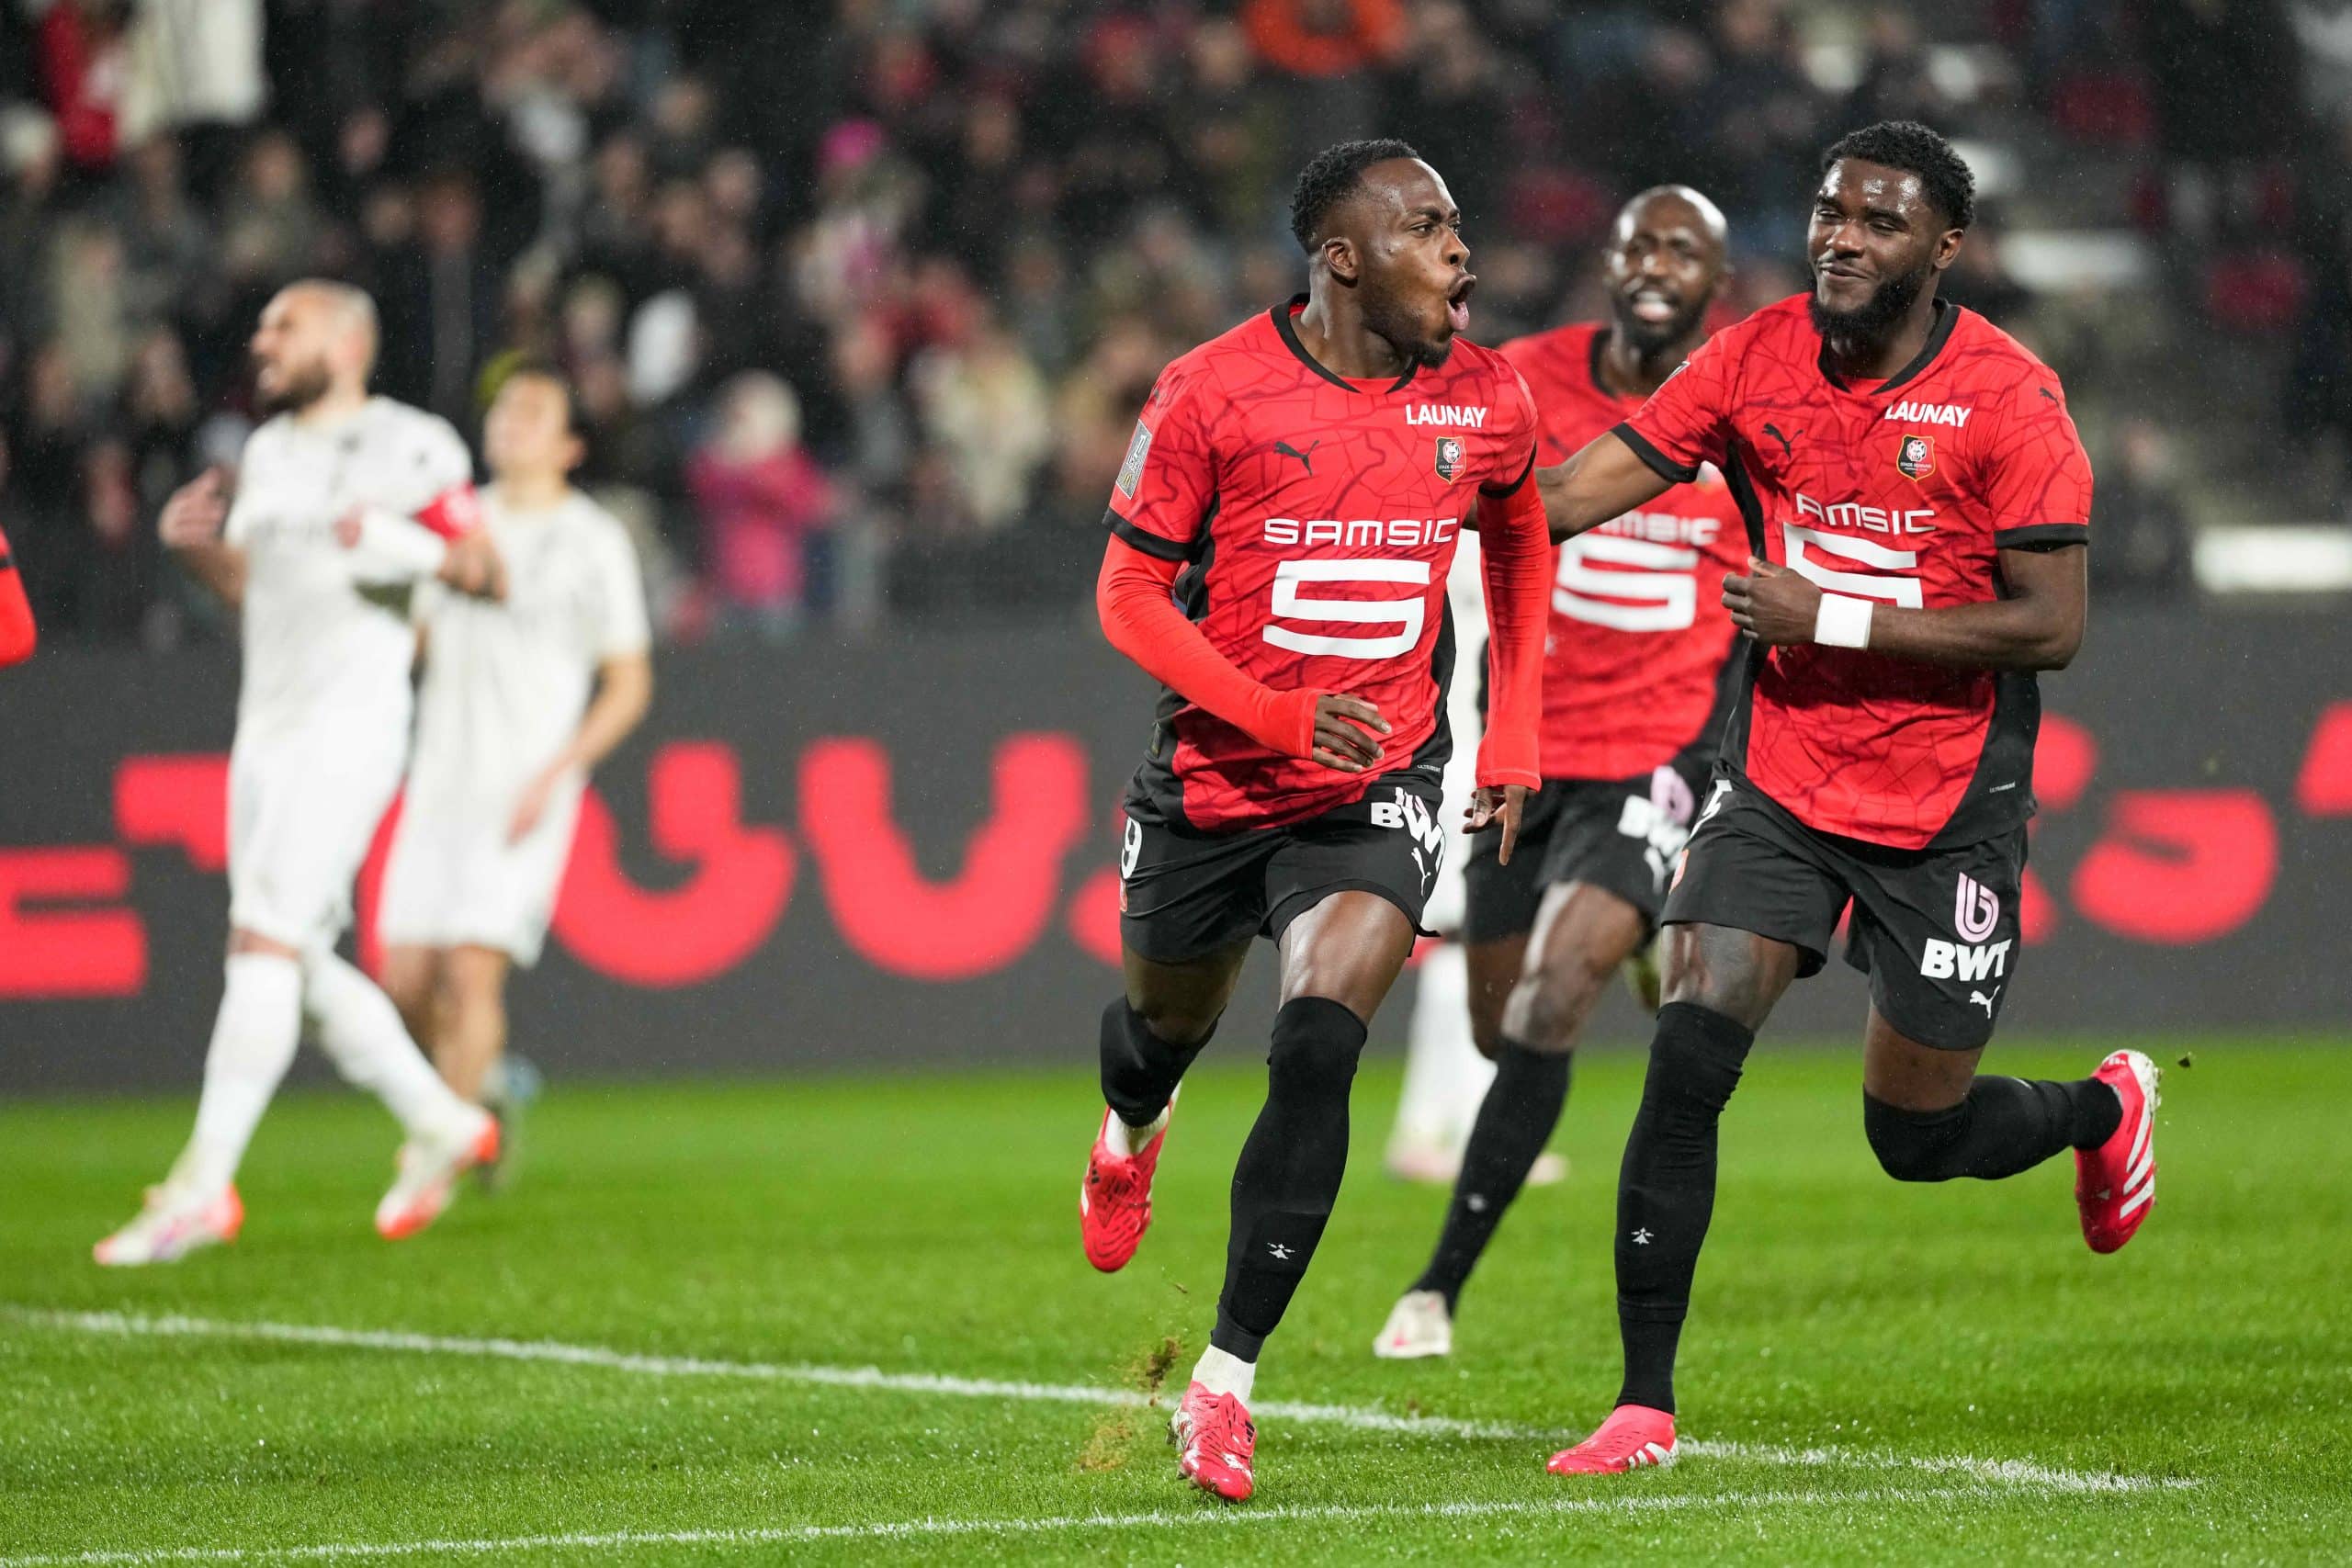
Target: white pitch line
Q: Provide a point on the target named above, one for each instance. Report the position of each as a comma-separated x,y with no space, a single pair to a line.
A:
1988,1471
1206,1515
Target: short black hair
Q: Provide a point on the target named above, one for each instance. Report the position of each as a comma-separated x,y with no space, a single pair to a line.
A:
1330,178
1907,145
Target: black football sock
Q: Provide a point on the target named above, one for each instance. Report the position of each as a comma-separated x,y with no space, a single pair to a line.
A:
1666,1189
1515,1121
1289,1170
2005,1125
1140,1070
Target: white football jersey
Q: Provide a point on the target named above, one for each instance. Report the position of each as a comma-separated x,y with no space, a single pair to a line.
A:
505,684
327,639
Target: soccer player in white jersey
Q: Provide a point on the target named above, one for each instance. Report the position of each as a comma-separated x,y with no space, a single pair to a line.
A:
342,502
507,733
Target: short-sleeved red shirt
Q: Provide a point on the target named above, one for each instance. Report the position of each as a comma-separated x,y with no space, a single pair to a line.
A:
1639,644
1318,518
1902,491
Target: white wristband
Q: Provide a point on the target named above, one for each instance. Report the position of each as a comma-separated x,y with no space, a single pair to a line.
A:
1843,621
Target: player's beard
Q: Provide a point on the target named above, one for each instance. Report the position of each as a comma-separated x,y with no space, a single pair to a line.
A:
298,390
1875,318
1391,319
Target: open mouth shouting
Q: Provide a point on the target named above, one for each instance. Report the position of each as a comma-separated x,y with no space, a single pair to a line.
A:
1457,303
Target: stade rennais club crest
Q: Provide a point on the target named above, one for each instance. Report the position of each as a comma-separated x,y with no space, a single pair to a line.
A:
1449,456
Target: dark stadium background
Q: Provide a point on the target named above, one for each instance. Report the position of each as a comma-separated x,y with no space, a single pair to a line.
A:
952,244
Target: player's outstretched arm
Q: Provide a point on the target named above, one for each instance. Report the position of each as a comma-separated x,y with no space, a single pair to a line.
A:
191,527
1604,480
2038,625
1140,618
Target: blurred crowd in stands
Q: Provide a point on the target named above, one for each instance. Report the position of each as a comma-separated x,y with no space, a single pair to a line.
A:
861,297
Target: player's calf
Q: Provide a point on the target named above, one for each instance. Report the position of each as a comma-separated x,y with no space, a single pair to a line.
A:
2002,1126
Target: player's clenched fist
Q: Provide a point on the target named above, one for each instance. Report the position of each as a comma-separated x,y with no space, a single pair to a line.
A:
1774,605
1345,728
475,567
198,509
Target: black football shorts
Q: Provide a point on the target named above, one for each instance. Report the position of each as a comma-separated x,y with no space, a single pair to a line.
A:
1619,835
1183,893
1935,930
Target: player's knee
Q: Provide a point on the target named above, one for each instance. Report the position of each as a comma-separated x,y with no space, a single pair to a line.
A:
1316,1045
1178,1028
1547,1009
1695,1060
408,980
1911,1146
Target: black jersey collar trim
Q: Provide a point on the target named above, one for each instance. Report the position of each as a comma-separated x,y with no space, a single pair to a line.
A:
1946,317
1282,324
1592,364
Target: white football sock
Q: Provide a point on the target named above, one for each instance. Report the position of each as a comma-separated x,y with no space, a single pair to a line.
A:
1127,1141
254,1037
362,1033
1445,1078
1221,1372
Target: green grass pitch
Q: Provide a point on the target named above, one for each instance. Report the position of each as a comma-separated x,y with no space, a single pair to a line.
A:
1873,1372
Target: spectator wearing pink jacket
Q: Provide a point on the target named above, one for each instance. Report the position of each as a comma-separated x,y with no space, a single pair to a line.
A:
760,495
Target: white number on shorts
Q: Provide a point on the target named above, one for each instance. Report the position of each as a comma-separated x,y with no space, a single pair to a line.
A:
1405,615
1649,586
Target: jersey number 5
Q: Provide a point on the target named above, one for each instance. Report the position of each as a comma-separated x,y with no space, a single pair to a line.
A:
1404,615
1806,546
1649,586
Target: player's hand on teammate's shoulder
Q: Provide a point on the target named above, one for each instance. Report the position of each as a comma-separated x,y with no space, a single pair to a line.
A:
475,567
1774,605
197,511
1491,805
1346,731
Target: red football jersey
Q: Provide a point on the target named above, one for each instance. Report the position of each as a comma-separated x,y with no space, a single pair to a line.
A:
1318,518
1902,491
1637,655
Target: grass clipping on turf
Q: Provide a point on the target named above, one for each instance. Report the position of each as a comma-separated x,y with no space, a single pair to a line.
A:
1117,1436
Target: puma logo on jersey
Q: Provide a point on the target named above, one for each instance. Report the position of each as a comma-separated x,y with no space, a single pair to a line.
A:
1305,458
1774,432
1446,414
1908,412
1978,998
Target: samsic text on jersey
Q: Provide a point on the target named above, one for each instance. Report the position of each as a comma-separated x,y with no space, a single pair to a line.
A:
1637,651
1318,516
1902,491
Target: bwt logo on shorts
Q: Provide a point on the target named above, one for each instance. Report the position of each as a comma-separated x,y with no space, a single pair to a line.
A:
1411,813
1976,909
1661,819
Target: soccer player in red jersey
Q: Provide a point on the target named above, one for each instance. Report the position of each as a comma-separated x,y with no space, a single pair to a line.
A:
17,635
1281,532
1636,680
1917,503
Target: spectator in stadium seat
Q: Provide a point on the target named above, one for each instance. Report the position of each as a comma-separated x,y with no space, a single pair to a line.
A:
1325,38
760,496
